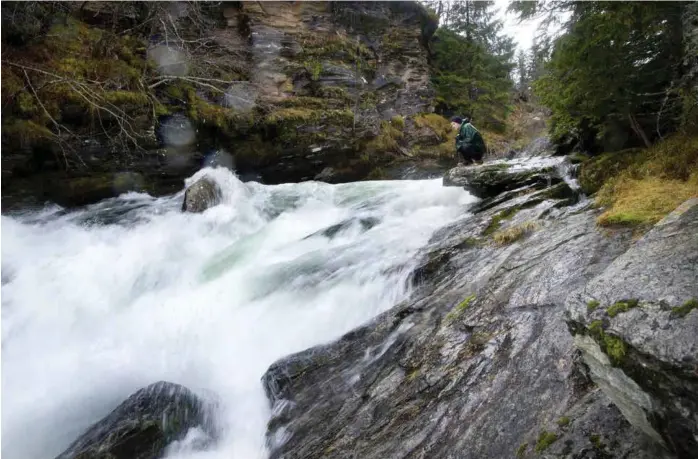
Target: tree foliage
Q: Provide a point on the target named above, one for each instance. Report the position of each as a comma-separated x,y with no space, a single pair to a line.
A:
611,79
473,62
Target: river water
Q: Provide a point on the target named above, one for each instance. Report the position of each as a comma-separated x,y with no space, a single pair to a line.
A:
99,302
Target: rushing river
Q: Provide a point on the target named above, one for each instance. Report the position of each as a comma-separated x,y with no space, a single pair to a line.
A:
99,302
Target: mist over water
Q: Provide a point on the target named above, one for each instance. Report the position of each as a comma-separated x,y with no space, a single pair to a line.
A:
100,302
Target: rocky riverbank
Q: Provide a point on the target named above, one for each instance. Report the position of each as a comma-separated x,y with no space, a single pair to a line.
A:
493,357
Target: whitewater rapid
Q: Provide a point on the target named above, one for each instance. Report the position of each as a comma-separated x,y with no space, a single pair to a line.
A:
99,302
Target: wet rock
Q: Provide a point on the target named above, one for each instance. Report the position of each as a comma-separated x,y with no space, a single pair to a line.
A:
594,429
364,223
489,180
143,425
325,175
201,195
477,363
637,325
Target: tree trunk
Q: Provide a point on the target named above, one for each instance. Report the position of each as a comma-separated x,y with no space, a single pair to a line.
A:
638,130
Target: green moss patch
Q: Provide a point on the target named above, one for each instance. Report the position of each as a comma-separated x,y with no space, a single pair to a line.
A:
563,421
545,439
460,308
621,307
684,309
596,171
614,347
596,441
387,140
521,450
437,123
592,305
496,221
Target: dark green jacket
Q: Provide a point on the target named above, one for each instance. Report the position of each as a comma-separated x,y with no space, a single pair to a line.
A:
468,136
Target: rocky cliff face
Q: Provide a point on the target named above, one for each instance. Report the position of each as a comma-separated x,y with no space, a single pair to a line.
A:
481,362
284,91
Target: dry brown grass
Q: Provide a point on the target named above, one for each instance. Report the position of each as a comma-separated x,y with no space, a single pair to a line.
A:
652,185
514,233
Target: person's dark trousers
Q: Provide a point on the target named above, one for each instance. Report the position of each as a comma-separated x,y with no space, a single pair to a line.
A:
469,154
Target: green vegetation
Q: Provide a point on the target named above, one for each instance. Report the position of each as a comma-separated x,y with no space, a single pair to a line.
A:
398,121
578,158
472,61
496,221
563,421
592,305
459,308
387,140
437,123
614,347
620,307
613,83
514,233
545,439
521,450
314,69
684,309
596,441
651,183
611,78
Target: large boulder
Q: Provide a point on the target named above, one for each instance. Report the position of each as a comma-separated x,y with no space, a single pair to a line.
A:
143,425
201,195
489,180
637,325
477,364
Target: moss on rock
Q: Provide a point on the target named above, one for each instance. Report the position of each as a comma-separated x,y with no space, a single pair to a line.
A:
460,308
545,439
613,346
686,308
496,221
621,307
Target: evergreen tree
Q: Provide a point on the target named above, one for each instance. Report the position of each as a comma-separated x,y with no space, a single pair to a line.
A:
610,79
473,62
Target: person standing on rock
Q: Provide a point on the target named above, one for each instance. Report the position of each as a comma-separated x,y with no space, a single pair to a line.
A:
470,146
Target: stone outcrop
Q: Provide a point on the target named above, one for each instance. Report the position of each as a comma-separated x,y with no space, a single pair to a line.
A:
480,362
637,326
489,180
144,425
201,195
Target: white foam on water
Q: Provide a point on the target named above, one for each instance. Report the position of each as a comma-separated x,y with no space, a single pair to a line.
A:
100,302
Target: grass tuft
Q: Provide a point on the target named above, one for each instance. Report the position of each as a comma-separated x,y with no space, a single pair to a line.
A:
437,123
514,233
640,187
496,221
